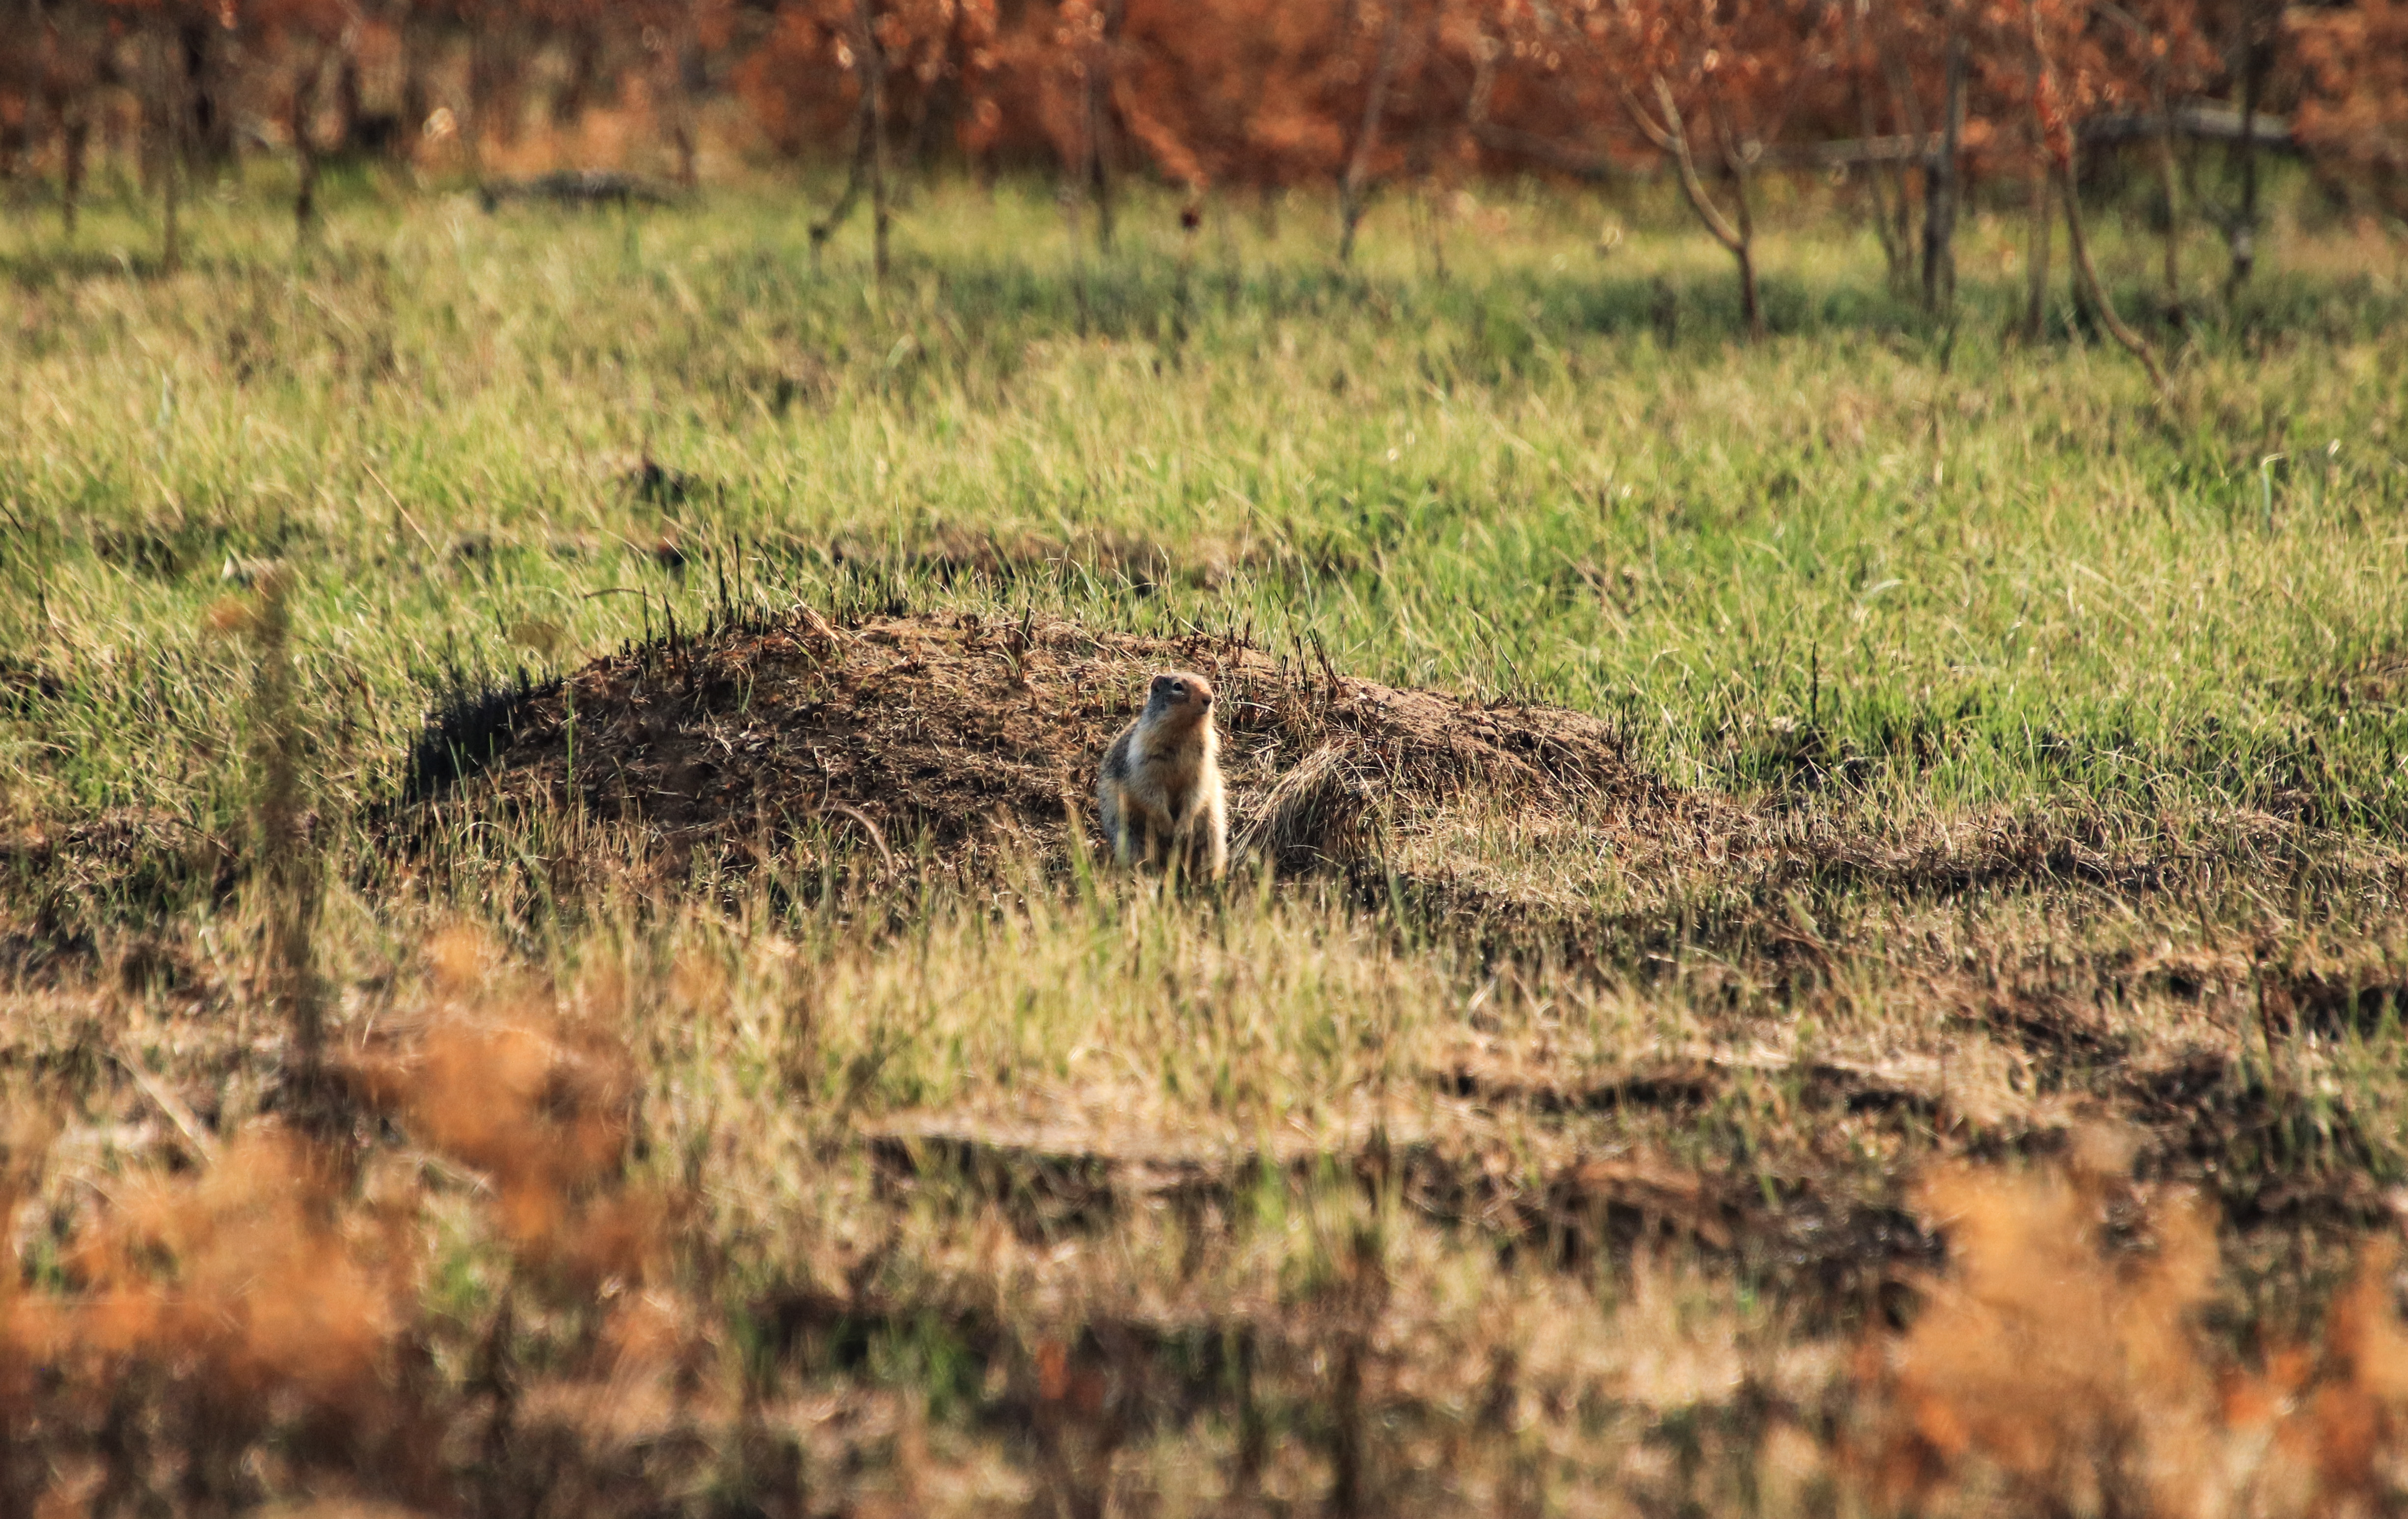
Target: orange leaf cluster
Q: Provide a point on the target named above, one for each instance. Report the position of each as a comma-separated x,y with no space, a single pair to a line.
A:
2354,113
2077,1377
278,1284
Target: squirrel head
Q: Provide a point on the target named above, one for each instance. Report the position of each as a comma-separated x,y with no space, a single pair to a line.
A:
1180,694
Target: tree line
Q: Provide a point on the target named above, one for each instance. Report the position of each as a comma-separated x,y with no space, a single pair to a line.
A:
1911,102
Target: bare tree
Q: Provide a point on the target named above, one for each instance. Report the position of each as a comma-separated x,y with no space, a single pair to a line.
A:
2036,257
1354,186
1878,176
70,59
1906,108
2059,138
869,168
2154,69
2254,34
167,81
1094,116
1736,231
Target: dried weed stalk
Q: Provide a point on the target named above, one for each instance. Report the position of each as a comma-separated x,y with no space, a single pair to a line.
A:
282,842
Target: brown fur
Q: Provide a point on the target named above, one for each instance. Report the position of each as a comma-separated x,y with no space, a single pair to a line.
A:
1158,790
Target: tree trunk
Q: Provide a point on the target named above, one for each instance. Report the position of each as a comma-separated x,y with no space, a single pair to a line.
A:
1940,202
678,75
873,76
415,105
583,77
204,130
1094,101
169,151
2241,233
1737,238
1433,218
304,150
76,146
1894,255
2037,259
1749,310
687,64
2167,187
348,109
869,170
1907,111
17,143
2085,274
1353,190
1734,160
2036,273
171,239
491,102
1096,171
857,176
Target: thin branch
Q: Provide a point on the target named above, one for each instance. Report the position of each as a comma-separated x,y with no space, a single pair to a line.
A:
1530,145
2086,273
2131,341
1674,137
869,168
855,177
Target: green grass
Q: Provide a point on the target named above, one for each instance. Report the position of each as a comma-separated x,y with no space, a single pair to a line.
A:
1873,594
1992,571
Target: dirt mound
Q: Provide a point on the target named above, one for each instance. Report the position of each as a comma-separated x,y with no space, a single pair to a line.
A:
952,736
959,741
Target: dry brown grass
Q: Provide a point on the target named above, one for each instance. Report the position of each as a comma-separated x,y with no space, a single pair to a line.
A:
271,1318
540,1106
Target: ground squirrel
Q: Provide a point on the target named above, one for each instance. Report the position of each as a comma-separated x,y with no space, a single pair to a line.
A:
1159,791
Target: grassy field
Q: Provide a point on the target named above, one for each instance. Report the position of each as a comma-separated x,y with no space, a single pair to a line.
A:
1924,1036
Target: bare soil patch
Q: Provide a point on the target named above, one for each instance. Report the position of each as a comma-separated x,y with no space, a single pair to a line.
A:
1565,1202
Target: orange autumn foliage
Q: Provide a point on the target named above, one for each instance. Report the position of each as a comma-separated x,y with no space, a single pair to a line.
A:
276,1290
1208,92
2354,110
2076,1374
